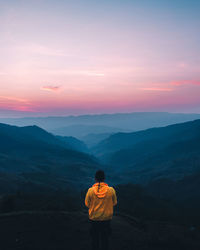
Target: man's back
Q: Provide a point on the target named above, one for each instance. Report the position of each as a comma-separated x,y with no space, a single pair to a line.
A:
100,200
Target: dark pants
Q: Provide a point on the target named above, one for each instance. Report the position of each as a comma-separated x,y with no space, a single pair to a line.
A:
100,232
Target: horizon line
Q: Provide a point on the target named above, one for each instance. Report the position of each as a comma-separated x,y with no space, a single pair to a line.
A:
98,114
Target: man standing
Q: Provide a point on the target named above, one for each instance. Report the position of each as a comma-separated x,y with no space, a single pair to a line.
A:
100,200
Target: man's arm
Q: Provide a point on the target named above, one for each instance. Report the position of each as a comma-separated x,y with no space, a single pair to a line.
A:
87,199
114,197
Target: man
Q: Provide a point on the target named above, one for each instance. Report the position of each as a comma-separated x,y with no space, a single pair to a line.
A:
100,200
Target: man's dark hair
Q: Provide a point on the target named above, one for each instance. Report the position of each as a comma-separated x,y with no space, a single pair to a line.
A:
100,176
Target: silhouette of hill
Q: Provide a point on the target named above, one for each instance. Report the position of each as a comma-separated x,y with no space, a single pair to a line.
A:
170,152
73,143
34,155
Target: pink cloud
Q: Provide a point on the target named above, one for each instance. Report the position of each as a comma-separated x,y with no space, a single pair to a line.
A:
15,103
181,82
11,98
23,108
51,88
157,89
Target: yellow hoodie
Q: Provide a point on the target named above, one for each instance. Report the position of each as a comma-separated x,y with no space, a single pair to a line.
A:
100,200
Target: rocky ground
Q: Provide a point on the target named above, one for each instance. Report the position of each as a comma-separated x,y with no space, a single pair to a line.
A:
70,231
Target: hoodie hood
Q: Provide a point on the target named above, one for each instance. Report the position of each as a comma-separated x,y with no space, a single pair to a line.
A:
100,189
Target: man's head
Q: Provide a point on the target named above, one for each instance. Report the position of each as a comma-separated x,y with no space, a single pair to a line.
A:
100,176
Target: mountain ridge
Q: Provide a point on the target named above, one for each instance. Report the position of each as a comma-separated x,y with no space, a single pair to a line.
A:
30,153
153,152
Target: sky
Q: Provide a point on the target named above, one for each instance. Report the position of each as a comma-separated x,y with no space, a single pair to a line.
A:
60,57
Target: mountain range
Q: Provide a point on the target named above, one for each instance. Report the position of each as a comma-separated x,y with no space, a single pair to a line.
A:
32,154
172,152
102,124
